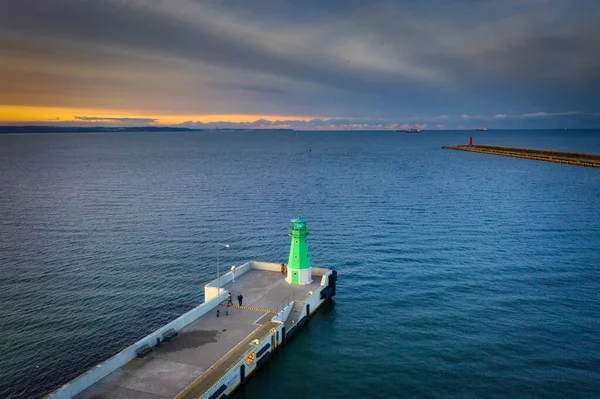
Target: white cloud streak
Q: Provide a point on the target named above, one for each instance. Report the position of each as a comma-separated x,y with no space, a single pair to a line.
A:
375,59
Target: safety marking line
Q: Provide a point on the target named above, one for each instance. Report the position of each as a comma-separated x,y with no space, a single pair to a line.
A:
248,308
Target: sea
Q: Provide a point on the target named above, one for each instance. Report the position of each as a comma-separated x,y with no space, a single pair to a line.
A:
461,275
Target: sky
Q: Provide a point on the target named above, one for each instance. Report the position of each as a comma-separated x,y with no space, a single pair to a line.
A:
311,64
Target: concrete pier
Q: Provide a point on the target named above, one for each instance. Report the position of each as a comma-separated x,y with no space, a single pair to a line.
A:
571,158
211,356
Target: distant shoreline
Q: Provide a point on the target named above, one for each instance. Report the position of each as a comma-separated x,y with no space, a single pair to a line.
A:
150,129
103,129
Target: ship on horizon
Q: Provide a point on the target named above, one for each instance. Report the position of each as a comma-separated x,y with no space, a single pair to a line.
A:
410,130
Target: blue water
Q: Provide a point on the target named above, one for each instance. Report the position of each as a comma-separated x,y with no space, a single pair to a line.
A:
461,275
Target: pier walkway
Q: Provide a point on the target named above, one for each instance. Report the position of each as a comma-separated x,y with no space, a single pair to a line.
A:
571,158
206,349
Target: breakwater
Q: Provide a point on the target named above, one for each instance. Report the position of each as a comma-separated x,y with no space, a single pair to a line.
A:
215,347
571,158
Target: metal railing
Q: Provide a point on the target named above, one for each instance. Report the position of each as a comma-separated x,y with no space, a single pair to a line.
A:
284,303
235,366
276,310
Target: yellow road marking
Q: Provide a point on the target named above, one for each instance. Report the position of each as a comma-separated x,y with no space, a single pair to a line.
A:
249,308
192,389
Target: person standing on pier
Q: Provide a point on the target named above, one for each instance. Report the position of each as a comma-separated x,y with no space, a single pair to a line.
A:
240,297
229,301
282,268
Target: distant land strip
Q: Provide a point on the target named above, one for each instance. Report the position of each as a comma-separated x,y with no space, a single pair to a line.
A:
102,129
571,158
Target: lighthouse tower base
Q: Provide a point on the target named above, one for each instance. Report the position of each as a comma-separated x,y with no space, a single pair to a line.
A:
299,276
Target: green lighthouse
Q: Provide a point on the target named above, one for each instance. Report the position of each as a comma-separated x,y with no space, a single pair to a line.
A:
299,271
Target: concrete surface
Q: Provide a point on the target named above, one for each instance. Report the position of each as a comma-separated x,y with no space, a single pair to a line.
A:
173,366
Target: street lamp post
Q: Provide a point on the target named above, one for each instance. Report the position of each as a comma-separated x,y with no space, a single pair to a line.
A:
219,245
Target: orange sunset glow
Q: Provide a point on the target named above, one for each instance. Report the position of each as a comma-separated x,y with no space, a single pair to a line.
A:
366,65
17,114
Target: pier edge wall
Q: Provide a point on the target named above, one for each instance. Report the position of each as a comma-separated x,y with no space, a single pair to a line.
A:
100,371
103,369
211,289
231,379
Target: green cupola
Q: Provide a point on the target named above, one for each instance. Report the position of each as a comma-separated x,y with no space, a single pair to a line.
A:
299,270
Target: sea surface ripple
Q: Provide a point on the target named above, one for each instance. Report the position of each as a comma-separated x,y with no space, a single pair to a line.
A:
461,275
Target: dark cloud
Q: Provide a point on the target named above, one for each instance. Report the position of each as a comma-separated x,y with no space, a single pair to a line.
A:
337,58
139,27
115,120
252,88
